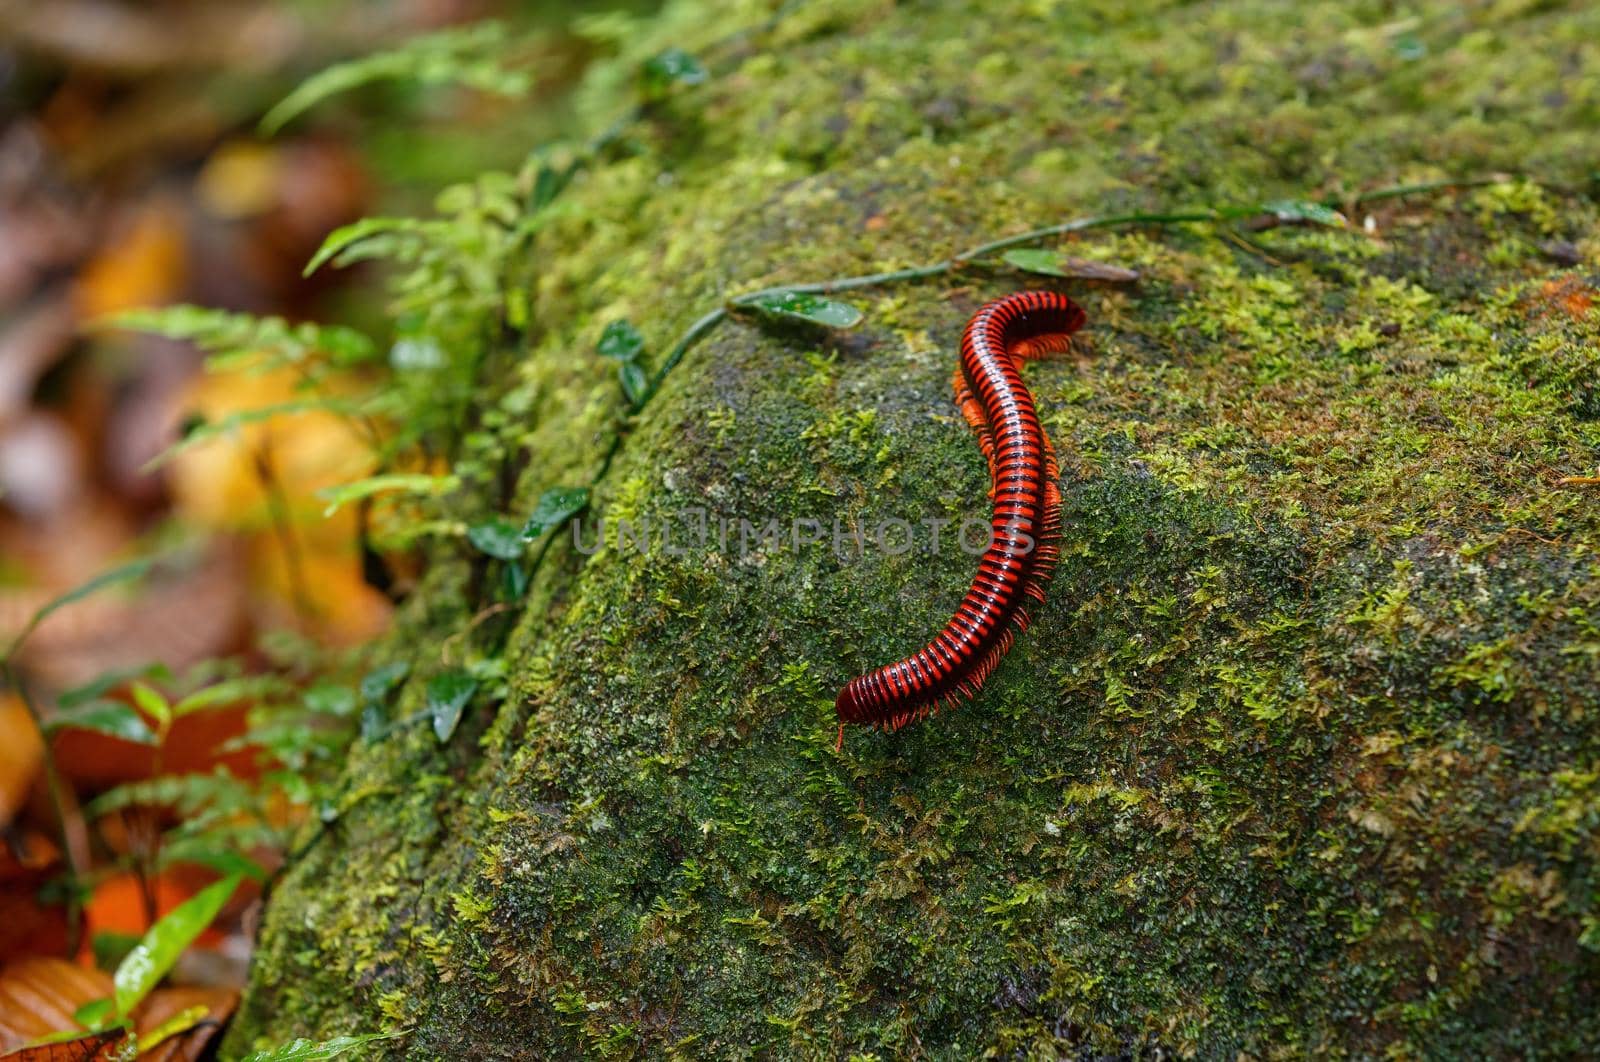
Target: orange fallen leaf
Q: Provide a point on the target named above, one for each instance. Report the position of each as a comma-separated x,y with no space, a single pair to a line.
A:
21,752
143,264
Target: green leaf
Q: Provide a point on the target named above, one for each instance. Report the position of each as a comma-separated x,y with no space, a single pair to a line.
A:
87,1044
499,538
513,581
180,1022
149,962
226,335
635,384
390,483
309,1051
94,1013
548,183
346,237
186,794
473,55
376,688
671,67
556,506
798,306
112,718
330,698
1303,212
153,701
1035,260
226,693
201,851
621,341
378,683
109,680
125,573
1052,264
449,692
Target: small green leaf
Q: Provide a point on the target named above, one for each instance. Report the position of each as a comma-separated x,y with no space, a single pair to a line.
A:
514,581
112,718
109,680
226,335
94,1013
224,861
149,962
225,694
472,55
1035,260
378,683
671,67
798,306
180,1022
1303,212
635,384
124,574
556,506
346,237
498,538
547,184
330,698
103,1043
153,702
449,692
391,483
621,341
309,1051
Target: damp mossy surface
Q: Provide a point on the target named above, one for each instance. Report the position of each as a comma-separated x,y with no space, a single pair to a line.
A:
1302,755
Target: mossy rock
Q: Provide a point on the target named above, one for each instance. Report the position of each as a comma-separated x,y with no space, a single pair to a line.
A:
1303,753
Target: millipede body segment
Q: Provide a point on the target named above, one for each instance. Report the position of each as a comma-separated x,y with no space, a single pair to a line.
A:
1024,530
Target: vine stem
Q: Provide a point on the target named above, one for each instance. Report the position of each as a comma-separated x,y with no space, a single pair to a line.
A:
737,304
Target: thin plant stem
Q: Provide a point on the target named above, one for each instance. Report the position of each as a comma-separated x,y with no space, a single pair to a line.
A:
283,529
74,834
708,323
1398,191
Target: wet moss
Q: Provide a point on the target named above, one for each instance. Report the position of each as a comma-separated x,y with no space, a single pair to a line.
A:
1299,755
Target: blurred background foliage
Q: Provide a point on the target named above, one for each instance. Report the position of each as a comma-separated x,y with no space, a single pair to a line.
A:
166,155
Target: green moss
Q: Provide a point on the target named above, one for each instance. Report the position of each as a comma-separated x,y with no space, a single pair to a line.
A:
1299,754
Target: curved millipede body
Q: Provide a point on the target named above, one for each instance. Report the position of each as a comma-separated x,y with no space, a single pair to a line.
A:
1024,530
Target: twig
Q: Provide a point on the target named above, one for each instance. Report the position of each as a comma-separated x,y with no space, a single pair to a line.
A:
705,325
1398,191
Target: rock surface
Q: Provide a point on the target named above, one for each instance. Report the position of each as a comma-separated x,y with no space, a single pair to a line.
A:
1303,753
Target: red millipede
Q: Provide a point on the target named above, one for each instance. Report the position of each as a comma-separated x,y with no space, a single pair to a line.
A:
1024,530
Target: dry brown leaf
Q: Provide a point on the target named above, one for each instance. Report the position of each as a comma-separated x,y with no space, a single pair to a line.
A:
194,615
93,1047
38,996
1084,269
